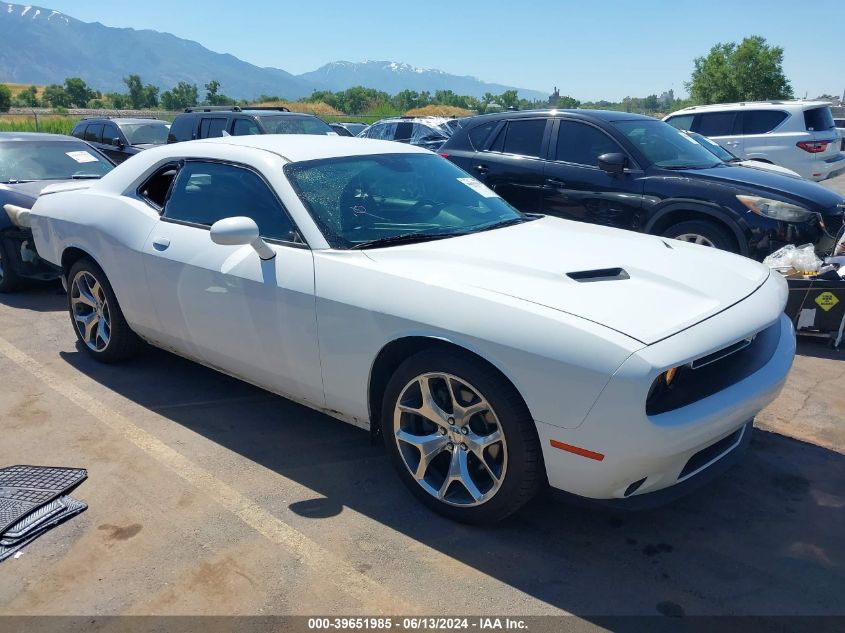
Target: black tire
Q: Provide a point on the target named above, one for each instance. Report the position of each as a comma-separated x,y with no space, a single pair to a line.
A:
718,236
9,279
123,343
525,472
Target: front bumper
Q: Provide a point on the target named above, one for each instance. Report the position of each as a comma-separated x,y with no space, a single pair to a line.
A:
660,451
768,235
23,258
734,452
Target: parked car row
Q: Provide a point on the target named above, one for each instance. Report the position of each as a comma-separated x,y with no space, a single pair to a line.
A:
495,351
635,172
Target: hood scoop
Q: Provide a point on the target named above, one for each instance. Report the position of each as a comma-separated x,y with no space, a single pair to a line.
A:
602,274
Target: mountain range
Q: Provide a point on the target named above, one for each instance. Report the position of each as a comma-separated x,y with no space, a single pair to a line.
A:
42,46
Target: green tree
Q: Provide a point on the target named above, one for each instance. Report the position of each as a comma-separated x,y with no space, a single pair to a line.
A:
5,98
357,100
183,95
568,102
27,98
151,96
406,100
749,71
118,100
651,103
212,88
56,96
508,99
137,97
78,92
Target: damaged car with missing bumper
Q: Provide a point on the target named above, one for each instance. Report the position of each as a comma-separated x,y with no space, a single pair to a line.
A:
29,162
495,352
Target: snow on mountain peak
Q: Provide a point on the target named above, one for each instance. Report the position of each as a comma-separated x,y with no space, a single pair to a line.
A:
27,11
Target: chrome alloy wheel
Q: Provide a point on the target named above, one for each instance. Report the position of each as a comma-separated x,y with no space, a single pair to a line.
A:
450,439
90,310
695,238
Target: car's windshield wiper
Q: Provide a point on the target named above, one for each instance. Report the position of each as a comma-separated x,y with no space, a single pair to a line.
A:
16,181
508,222
683,167
85,177
407,238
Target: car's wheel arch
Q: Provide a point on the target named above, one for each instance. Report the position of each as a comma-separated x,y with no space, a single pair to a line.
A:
392,354
72,254
683,211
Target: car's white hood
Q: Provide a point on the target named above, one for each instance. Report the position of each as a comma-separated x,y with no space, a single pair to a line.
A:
671,286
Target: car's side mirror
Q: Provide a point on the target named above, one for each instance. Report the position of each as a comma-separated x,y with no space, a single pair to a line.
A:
613,163
117,143
239,231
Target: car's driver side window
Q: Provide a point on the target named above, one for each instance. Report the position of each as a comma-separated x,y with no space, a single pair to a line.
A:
207,192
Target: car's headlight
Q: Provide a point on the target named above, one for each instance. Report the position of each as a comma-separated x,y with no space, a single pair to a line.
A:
775,209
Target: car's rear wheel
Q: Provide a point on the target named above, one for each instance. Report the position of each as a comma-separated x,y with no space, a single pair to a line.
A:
9,280
96,316
461,437
703,233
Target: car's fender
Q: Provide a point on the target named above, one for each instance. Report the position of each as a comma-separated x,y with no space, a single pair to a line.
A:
658,218
559,363
109,229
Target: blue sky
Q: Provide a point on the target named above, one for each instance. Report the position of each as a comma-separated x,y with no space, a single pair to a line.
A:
591,50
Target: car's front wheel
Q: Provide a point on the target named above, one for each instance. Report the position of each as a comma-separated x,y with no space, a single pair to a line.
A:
703,233
96,316
461,437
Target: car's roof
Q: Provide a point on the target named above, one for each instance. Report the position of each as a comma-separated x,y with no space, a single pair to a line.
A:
601,115
433,120
797,104
36,136
272,113
136,121
301,147
120,120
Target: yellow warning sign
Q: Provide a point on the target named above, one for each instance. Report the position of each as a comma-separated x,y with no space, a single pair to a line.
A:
827,300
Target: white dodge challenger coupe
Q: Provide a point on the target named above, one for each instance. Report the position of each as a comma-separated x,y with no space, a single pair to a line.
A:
377,282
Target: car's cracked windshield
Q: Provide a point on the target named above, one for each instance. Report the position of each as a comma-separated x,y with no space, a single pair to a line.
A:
383,199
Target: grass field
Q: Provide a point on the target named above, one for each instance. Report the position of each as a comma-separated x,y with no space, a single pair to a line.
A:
51,123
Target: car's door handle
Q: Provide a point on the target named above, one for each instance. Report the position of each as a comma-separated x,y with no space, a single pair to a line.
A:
481,170
555,182
161,243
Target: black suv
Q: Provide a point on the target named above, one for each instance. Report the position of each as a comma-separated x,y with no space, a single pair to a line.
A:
635,172
120,138
217,121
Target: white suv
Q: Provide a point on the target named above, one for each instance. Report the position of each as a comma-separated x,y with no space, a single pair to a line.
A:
798,135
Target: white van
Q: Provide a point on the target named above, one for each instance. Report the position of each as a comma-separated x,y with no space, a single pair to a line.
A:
798,135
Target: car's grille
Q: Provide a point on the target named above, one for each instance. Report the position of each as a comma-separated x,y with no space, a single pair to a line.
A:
714,372
707,455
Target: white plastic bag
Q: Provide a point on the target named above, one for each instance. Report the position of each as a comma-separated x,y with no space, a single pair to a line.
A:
781,259
801,258
805,259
